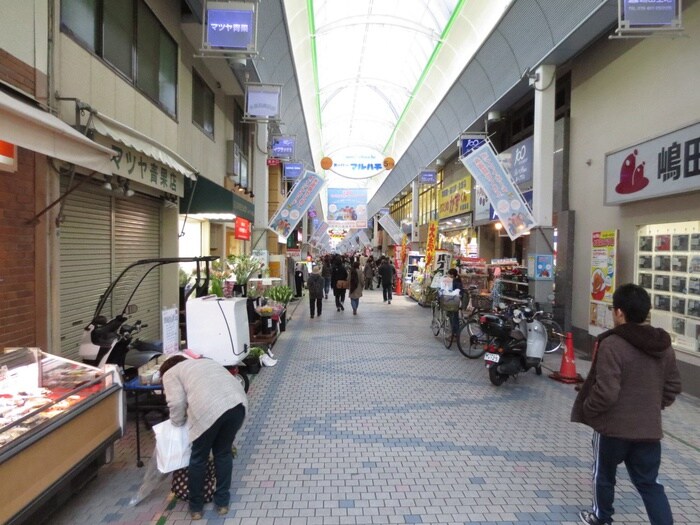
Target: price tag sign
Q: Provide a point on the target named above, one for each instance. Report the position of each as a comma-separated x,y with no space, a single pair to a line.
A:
170,322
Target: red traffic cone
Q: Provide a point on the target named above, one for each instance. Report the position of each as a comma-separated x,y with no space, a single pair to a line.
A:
567,370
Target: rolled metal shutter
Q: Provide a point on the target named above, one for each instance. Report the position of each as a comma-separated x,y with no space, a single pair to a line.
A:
136,237
85,259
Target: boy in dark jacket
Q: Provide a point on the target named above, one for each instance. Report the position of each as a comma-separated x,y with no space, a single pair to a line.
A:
632,379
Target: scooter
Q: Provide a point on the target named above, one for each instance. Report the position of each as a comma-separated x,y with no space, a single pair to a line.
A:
516,346
114,341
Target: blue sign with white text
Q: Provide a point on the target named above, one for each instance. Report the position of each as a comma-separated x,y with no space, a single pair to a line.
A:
282,147
428,177
468,143
230,28
292,170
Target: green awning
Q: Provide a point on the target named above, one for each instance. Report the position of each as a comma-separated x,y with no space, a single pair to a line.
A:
208,197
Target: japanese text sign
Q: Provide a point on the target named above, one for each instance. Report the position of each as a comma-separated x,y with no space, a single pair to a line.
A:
661,166
230,28
431,243
136,166
455,198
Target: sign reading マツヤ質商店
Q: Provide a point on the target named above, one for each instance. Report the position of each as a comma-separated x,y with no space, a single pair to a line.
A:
661,166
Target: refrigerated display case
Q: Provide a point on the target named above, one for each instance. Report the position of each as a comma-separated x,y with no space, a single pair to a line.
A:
58,422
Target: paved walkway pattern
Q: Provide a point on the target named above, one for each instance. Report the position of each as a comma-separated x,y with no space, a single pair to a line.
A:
369,419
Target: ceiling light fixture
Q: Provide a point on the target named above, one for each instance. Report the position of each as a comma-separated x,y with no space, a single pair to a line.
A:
107,186
128,192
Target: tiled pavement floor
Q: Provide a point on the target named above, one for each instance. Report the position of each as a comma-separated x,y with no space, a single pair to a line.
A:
369,419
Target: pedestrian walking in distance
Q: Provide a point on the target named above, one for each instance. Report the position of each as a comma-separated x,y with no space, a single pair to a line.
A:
387,273
633,377
315,286
356,282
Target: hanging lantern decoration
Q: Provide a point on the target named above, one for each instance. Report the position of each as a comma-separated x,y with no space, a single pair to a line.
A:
388,163
326,163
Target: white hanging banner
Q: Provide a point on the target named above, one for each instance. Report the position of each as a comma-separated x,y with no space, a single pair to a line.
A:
390,226
364,240
296,204
506,199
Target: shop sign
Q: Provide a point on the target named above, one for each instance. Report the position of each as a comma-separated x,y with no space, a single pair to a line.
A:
296,204
431,243
517,160
292,170
512,211
469,142
602,280
241,229
230,25
357,162
455,198
347,207
644,13
283,147
273,162
665,165
428,177
135,166
8,156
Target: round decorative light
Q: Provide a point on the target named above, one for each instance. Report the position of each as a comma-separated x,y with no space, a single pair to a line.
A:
326,163
388,163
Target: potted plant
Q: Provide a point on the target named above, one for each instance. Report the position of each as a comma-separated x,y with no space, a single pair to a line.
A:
252,360
243,267
281,295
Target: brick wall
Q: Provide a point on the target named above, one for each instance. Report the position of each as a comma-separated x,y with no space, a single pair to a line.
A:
18,323
17,73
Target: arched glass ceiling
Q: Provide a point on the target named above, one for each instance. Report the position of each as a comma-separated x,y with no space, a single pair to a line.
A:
371,72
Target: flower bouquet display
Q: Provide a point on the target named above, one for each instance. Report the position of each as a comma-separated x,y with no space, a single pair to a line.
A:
280,294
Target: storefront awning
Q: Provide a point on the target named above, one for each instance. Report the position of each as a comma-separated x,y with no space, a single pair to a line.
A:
208,197
140,142
37,130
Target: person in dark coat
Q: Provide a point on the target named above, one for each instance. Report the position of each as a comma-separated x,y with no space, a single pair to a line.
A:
315,286
633,377
298,278
339,273
387,272
456,285
326,271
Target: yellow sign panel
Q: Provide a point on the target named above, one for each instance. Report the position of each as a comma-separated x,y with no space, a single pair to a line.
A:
455,198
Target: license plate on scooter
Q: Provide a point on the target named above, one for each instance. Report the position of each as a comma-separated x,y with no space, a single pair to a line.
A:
494,358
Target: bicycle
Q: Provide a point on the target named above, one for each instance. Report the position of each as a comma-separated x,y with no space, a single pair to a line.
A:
472,341
441,322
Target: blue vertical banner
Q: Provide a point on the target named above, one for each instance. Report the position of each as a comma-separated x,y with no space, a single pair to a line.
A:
509,204
296,204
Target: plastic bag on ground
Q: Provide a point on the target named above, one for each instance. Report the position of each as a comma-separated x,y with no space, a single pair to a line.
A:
151,479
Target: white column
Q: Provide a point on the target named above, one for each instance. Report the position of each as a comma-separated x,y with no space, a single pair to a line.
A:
415,191
543,154
261,187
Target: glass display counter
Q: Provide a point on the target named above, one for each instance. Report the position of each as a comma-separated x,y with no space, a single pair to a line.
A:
56,417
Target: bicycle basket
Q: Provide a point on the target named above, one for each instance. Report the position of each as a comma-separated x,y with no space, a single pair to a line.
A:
450,303
481,302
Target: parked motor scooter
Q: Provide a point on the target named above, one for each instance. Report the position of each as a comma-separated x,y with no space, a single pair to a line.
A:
516,346
114,342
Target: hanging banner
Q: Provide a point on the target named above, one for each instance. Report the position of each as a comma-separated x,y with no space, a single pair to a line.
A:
603,269
431,243
347,207
364,240
316,236
390,226
295,205
512,211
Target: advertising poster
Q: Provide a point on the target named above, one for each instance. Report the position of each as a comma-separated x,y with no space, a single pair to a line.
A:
431,243
318,234
390,226
296,204
364,240
603,268
540,267
510,206
347,207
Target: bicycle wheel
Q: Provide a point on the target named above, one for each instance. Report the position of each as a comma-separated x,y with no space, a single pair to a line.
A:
435,322
472,340
555,335
446,331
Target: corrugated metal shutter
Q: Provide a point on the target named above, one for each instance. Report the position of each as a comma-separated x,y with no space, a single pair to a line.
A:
86,269
137,236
